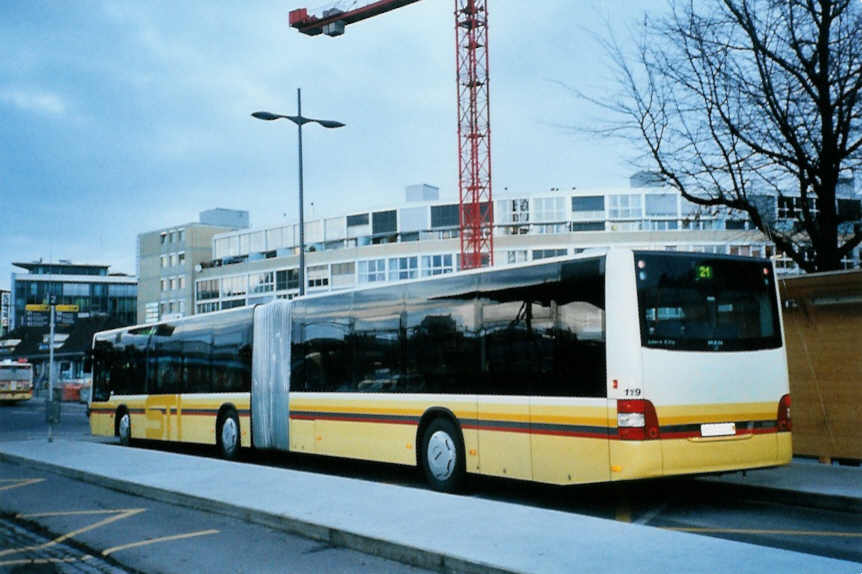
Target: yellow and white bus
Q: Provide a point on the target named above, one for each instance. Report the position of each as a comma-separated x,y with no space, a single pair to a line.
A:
606,366
16,382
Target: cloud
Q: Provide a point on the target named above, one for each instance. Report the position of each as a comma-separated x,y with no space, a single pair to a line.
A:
36,101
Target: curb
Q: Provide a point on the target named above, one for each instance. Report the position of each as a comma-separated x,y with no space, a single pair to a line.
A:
397,552
799,498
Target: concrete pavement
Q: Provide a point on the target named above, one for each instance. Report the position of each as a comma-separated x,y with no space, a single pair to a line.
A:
804,482
422,527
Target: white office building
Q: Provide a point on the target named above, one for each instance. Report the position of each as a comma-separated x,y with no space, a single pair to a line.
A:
419,238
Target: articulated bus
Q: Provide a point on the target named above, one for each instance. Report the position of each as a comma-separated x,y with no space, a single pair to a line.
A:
613,365
16,382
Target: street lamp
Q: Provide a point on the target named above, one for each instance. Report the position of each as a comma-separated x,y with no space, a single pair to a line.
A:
300,121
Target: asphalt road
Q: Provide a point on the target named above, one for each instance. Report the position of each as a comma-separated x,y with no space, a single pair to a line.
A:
683,504
102,530
26,420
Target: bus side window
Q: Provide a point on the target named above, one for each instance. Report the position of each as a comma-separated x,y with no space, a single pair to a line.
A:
517,324
328,344
517,337
231,359
442,350
297,348
129,370
102,351
579,336
197,360
378,335
164,364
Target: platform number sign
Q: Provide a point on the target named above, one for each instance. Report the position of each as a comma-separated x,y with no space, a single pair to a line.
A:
703,273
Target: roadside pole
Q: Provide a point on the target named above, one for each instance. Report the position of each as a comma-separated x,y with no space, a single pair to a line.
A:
52,404
50,412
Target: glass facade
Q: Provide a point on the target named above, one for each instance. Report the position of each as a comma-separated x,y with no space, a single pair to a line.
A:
625,206
64,269
287,279
588,203
547,253
661,204
118,300
401,268
444,215
384,222
357,220
87,286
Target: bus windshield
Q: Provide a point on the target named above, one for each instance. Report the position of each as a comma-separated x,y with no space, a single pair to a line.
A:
693,302
15,373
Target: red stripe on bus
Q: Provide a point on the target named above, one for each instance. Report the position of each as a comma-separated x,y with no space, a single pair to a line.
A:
546,432
578,434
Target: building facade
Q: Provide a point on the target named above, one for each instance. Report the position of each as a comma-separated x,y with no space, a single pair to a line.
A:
5,311
95,291
167,259
104,300
420,238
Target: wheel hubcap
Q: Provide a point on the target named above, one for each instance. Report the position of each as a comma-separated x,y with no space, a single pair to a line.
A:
441,455
228,435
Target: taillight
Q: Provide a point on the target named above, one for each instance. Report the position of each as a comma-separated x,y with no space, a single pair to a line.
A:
637,420
784,422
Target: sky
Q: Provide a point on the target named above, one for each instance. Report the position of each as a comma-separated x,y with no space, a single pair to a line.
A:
121,117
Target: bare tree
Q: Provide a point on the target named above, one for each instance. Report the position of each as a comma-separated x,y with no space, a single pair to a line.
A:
739,99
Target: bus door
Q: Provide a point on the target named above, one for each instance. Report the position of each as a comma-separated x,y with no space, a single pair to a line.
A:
163,405
164,417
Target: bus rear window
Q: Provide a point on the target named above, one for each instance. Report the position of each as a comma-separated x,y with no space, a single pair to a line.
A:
706,303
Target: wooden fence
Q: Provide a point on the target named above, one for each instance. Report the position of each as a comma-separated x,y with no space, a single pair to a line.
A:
823,332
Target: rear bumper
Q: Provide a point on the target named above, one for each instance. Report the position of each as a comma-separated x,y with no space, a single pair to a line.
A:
695,456
16,395
671,457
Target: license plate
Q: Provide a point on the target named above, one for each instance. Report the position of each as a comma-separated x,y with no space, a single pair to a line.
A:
718,429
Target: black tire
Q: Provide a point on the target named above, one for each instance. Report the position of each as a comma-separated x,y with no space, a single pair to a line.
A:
228,435
442,457
124,427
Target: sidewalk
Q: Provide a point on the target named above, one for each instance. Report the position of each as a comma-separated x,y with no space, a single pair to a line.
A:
803,483
417,526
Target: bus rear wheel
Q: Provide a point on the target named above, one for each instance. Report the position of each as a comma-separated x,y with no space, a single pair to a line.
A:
124,428
227,435
443,456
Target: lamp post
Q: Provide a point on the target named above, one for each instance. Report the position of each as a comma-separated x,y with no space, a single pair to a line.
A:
300,121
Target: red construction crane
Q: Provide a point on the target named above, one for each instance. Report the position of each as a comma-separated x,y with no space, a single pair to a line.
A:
474,125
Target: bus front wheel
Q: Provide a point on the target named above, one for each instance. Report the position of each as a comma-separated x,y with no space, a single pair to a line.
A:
227,435
443,456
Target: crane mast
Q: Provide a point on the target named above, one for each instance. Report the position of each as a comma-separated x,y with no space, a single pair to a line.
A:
476,206
474,134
